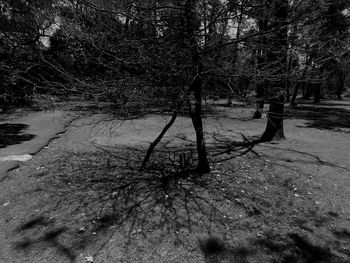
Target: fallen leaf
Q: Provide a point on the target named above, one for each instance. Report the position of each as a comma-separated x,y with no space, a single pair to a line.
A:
89,259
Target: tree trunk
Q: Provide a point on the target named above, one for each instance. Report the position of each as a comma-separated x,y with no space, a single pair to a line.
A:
261,59
274,127
317,93
340,85
294,95
260,93
196,116
307,91
288,91
277,56
229,101
167,126
157,140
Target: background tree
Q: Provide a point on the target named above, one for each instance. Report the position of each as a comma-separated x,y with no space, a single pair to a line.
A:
318,47
160,55
24,25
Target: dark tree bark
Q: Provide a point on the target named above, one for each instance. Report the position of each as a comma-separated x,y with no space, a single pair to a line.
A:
196,115
306,90
340,85
262,57
274,127
317,93
196,88
261,60
288,85
289,82
277,56
166,127
294,95
260,93
158,139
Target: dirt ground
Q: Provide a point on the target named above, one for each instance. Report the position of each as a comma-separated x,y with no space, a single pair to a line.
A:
83,198
23,132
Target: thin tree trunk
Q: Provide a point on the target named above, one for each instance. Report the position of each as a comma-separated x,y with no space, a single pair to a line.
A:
196,87
203,164
341,85
260,93
289,82
235,56
288,91
294,95
262,56
167,126
317,93
158,139
196,116
307,91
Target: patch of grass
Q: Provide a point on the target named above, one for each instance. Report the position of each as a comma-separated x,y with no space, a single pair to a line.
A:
101,194
243,211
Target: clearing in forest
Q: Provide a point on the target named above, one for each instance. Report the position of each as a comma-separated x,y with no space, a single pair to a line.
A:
83,198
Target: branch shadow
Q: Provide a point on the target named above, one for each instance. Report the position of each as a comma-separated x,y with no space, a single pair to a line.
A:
98,193
12,133
215,250
41,231
225,147
298,248
284,248
327,117
302,158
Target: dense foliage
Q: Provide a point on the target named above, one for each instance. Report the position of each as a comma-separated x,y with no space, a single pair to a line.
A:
124,50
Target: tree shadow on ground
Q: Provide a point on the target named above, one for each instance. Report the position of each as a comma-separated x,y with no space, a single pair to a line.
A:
215,251
321,117
292,157
50,237
227,147
297,248
288,248
98,193
12,133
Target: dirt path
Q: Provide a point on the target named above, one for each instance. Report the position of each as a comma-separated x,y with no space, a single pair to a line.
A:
24,133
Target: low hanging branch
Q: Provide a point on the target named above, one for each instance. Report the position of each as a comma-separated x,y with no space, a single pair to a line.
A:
169,124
